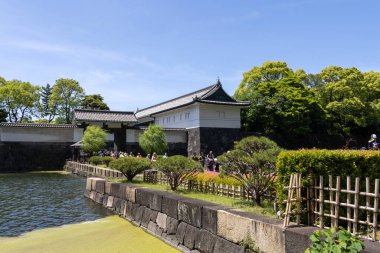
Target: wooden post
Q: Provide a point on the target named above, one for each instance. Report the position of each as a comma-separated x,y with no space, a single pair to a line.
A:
367,199
321,200
310,202
375,209
299,199
331,201
288,202
356,203
337,201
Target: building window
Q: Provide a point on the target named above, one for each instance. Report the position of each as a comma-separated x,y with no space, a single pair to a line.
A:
187,115
221,115
168,119
180,116
174,119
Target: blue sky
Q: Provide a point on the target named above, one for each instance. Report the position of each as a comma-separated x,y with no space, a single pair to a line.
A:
138,53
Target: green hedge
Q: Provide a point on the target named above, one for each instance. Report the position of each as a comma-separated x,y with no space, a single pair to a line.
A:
354,163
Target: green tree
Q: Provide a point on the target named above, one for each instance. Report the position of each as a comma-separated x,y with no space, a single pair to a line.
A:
66,95
252,162
131,166
46,108
94,139
3,115
94,102
153,140
178,169
19,100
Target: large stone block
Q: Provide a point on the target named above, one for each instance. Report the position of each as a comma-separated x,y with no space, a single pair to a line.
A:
156,200
129,211
93,195
210,217
171,226
87,193
190,211
139,215
191,233
89,184
146,217
233,227
181,230
99,198
169,205
113,189
224,246
205,241
105,200
128,192
161,220
97,184
144,196
153,215
110,202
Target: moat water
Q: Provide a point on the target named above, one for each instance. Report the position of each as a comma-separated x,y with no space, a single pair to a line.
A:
30,201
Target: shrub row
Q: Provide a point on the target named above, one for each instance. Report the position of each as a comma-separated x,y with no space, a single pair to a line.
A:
100,160
354,163
215,178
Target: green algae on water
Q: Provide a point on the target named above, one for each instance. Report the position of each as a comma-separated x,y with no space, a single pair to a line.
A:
110,234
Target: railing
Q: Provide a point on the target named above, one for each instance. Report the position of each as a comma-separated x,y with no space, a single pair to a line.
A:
93,170
338,202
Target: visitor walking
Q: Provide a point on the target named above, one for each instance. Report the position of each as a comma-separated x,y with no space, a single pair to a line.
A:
210,161
372,143
154,157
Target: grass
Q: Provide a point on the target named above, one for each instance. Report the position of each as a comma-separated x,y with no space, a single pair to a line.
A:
266,209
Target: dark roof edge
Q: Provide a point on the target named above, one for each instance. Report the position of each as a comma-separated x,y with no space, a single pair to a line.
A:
169,109
42,125
102,121
237,103
206,88
103,111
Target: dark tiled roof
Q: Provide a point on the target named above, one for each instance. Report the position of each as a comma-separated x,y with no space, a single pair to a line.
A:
45,125
103,116
165,129
214,92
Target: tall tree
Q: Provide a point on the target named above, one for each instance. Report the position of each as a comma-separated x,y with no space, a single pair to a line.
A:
46,108
66,95
153,140
94,102
94,139
3,115
19,99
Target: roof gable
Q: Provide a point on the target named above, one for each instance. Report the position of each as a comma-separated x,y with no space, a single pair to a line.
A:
85,115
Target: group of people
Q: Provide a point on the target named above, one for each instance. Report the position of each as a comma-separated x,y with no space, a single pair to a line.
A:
208,161
373,144
116,154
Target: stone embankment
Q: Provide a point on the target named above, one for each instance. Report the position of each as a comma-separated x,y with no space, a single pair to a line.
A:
193,225
89,170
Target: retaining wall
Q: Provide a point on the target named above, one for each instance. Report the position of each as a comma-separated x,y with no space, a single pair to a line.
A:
188,224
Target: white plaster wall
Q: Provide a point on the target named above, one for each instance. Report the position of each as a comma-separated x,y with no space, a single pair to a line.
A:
78,134
219,116
185,117
31,134
171,136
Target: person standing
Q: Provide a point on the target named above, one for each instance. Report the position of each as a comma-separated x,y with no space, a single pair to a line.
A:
372,143
210,161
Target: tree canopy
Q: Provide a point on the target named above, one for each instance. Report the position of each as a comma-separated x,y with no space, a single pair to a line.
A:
153,140
66,95
94,102
94,139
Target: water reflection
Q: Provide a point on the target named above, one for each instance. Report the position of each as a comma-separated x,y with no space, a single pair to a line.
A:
32,201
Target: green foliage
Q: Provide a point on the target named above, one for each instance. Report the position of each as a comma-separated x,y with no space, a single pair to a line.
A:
249,244
131,166
94,102
153,140
46,108
95,160
252,163
94,139
3,115
178,168
355,163
106,160
334,241
19,100
66,95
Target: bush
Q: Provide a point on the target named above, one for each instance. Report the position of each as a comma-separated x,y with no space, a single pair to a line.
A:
131,166
178,168
94,139
252,163
216,179
354,163
332,240
153,140
106,160
95,160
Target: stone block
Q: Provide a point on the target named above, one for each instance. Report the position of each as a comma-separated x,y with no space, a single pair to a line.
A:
169,205
144,196
191,233
128,192
116,204
297,239
99,198
146,217
139,214
105,200
205,241
119,206
190,211
224,246
153,215
210,217
89,184
87,193
113,189
233,227
124,208
183,249
110,202
161,220
152,227
171,225
134,209
172,240
93,195
98,184
159,231
194,251
181,230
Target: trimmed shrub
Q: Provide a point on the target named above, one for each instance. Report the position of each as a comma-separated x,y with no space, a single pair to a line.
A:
354,163
106,160
95,160
178,168
252,162
215,178
131,166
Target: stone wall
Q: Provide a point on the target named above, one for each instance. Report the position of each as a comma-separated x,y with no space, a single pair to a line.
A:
27,156
192,225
